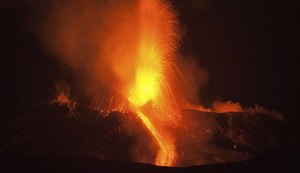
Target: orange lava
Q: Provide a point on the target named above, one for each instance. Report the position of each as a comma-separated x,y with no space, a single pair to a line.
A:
153,70
167,153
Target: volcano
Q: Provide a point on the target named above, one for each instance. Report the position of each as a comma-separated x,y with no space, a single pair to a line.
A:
114,86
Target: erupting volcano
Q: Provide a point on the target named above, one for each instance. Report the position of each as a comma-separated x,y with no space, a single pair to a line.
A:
132,60
126,53
138,49
127,92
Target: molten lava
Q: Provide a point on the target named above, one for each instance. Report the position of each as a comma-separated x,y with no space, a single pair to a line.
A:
151,85
167,154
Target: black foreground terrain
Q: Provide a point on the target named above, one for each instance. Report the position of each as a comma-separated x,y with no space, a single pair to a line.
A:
53,139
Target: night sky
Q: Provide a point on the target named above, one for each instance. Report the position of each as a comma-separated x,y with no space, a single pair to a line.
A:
247,47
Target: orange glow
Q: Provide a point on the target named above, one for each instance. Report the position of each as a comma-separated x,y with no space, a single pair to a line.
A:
228,106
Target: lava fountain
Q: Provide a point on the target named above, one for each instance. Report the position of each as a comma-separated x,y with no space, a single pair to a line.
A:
151,93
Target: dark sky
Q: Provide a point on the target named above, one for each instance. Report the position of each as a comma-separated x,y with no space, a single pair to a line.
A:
247,47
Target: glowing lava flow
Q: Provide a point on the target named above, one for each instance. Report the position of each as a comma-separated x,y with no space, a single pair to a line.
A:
167,154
